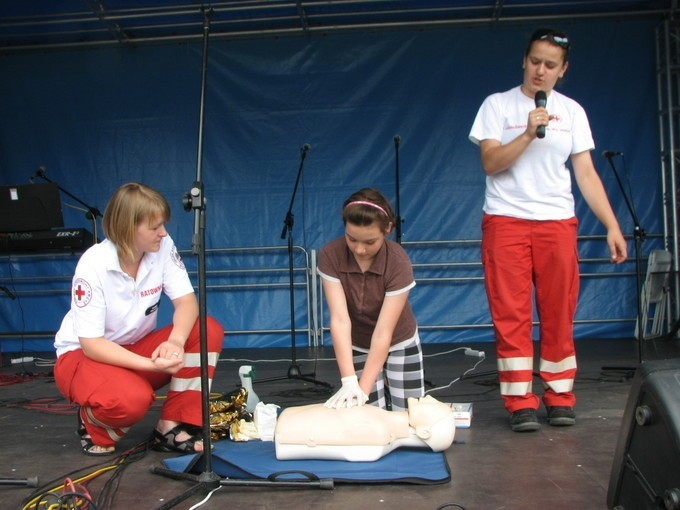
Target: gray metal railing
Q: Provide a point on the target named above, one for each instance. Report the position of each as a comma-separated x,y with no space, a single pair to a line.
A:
265,268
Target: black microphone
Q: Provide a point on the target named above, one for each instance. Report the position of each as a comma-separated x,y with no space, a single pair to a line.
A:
397,139
305,147
609,154
541,99
7,291
39,173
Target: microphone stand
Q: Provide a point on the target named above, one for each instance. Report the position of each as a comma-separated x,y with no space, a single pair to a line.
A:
397,204
208,481
194,200
294,371
639,236
92,212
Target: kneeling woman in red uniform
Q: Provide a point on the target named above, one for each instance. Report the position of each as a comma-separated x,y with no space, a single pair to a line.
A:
111,358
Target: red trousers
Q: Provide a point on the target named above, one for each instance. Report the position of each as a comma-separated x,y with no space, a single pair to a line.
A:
113,398
524,259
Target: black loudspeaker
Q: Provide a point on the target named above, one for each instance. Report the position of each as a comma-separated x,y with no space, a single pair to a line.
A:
646,470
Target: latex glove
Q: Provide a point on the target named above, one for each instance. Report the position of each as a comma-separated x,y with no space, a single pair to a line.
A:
349,395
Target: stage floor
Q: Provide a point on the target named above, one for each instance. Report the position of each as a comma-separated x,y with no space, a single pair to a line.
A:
491,466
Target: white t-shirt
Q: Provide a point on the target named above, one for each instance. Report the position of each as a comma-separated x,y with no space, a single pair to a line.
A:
538,185
106,302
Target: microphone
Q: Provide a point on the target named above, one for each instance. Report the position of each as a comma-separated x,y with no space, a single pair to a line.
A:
7,291
541,99
397,139
609,154
305,147
39,173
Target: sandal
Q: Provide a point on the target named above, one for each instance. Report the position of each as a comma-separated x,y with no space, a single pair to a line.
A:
86,444
168,442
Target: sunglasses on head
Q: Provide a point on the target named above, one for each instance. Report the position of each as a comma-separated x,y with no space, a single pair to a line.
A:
559,39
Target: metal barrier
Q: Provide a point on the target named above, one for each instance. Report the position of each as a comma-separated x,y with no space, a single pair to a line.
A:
453,265
443,270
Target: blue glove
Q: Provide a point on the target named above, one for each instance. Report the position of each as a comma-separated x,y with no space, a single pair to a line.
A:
349,395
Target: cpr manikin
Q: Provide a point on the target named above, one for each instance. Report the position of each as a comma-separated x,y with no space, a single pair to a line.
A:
364,433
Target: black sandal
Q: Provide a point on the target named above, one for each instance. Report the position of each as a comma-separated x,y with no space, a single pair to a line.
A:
168,442
86,444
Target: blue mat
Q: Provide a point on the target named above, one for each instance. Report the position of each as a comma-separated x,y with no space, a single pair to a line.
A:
257,460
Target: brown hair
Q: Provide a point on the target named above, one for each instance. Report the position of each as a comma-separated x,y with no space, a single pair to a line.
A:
130,205
367,206
554,37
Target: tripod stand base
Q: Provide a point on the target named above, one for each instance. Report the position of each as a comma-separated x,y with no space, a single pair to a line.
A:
204,483
295,373
207,482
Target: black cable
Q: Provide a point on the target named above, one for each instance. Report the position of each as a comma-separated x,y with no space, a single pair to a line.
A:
134,454
110,488
43,498
76,497
41,491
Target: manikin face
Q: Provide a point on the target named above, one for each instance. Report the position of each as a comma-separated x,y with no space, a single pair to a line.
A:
543,67
149,234
364,241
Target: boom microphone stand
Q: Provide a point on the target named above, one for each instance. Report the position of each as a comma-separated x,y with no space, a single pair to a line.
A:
92,212
639,237
208,480
397,205
294,371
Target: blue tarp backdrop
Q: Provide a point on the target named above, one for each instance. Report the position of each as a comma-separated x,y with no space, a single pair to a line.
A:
96,118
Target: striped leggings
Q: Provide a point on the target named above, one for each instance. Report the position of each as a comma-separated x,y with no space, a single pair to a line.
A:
401,377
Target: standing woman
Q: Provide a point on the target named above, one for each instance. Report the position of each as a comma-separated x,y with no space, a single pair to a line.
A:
111,359
529,229
366,280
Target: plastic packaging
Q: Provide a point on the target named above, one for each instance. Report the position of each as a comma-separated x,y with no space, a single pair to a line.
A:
265,420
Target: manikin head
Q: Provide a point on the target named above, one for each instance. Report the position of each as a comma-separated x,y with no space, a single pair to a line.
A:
433,422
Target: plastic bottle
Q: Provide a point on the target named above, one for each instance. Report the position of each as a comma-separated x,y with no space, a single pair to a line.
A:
246,375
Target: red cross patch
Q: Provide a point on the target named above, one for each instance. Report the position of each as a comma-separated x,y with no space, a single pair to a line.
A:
176,258
82,293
